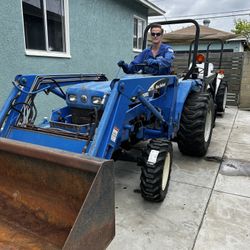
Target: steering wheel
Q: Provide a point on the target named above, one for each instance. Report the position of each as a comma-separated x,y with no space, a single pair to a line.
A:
144,67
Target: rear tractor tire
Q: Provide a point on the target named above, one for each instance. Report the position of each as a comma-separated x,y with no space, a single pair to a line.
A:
196,124
221,98
156,163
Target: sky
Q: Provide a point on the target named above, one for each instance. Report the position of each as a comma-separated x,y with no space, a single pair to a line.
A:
186,8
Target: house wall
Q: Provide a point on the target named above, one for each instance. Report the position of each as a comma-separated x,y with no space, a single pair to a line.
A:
101,34
235,45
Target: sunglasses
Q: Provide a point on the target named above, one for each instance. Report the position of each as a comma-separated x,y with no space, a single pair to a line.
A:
155,34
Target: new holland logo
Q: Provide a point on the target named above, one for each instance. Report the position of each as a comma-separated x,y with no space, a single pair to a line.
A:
155,87
158,84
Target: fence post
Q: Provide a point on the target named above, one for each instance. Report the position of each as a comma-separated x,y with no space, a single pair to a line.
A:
245,83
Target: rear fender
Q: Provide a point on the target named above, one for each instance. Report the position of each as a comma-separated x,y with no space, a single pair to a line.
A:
184,88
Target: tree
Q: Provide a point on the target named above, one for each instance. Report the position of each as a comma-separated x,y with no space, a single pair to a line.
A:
242,27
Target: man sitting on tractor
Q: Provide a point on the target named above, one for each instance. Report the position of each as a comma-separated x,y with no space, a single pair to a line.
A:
156,60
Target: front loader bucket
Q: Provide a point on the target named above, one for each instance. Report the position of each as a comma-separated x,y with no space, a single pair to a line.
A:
51,199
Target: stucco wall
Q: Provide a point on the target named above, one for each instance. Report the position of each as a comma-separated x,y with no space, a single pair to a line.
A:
245,83
100,35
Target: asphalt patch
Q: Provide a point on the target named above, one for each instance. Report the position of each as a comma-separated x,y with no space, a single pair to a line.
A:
234,167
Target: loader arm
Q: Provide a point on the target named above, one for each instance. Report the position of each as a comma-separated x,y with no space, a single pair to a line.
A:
115,123
128,98
26,87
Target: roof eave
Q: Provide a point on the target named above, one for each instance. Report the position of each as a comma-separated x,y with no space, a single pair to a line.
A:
239,38
153,10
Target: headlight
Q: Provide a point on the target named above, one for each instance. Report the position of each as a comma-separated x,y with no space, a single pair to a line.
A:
97,100
72,98
84,98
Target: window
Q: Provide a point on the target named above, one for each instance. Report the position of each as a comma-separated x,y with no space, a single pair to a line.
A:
139,25
46,27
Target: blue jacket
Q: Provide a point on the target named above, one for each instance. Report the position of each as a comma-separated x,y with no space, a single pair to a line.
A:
158,65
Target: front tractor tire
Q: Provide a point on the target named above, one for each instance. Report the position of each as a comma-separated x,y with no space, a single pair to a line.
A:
156,163
196,124
221,98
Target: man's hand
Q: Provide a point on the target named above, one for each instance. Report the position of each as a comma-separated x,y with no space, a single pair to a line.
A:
121,63
151,61
124,66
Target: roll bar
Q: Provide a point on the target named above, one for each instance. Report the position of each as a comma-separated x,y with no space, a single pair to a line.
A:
211,41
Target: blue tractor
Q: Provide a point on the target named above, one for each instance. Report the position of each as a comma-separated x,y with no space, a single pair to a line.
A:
102,120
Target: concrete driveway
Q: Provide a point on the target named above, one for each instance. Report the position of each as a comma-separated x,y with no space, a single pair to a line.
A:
208,202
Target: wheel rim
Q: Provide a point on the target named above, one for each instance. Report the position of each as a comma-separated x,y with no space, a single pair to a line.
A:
208,125
225,99
165,174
